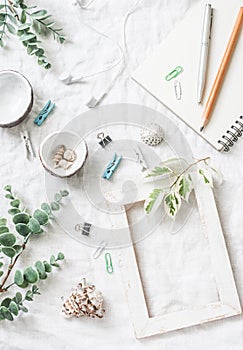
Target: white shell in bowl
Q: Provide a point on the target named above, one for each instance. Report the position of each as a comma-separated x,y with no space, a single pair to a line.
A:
52,143
16,98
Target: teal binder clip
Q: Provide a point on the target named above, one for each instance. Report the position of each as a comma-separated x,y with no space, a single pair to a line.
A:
41,117
112,166
174,73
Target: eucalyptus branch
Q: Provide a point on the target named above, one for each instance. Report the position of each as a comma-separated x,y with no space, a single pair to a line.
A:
11,266
27,24
26,226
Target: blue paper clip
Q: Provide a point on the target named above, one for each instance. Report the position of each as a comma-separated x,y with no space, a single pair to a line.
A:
112,167
41,117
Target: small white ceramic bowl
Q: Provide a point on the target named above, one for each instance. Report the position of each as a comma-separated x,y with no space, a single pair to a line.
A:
16,98
52,143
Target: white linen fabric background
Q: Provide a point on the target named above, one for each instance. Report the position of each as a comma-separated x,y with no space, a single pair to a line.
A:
43,326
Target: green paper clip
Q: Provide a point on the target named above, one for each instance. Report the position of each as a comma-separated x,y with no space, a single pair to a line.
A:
108,261
173,74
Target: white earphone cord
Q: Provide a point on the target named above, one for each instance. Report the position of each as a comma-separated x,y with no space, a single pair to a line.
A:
123,51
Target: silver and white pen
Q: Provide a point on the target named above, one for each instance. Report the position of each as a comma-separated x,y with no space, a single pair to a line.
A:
206,36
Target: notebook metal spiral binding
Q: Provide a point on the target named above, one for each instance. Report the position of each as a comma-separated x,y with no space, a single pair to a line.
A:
232,135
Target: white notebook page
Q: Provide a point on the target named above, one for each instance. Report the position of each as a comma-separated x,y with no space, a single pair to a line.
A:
182,47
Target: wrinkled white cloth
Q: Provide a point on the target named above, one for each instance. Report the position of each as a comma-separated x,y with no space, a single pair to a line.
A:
44,327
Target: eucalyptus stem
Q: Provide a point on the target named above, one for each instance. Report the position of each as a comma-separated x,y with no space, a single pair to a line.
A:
11,265
12,9
11,284
44,24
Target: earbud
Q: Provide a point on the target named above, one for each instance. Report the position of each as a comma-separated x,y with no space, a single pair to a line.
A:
68,79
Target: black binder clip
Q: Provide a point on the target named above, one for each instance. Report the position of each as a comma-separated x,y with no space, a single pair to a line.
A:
86,229
104,140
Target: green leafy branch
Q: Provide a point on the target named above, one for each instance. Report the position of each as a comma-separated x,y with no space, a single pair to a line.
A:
11,307
12,245
180,189
28,21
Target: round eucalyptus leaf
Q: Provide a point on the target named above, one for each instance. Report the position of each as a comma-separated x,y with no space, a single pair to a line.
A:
52,260
58,197
7,239
3,229
46,208
34,225
13,308
48,267
24,285
29,295
18,297
13,211
30,275
22,229
64,193
39,232
1,264
4,311
41,216
1,273
35,289
17,248
40,269
18,278
60,256
9,196
15,203
6,302
3,222
21,218
55,206
10,252
7,188
23,308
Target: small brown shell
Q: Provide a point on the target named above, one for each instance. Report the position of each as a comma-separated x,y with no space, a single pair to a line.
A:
58,155
65,164
69,155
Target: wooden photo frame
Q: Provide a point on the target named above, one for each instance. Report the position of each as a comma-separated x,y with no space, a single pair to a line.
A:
225,305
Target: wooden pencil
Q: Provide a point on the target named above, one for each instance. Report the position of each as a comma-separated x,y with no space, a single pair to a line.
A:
222,69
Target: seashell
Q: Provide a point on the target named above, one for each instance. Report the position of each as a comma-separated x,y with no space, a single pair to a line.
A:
58,156
52,144
152,135
64,164
85,300
69,155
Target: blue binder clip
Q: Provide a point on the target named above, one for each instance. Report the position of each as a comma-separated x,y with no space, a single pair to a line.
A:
112,167
41,117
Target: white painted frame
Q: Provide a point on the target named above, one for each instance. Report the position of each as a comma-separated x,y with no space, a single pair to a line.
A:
228,304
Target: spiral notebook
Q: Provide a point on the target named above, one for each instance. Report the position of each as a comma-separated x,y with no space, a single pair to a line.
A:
182,48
